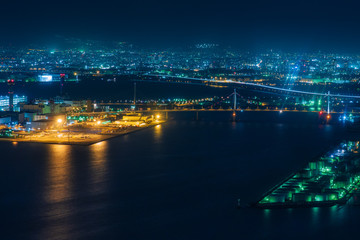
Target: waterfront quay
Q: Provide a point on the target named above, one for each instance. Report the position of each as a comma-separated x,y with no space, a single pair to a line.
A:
328,180
82,129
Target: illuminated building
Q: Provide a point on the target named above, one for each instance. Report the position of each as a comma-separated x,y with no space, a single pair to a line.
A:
5,101
52,78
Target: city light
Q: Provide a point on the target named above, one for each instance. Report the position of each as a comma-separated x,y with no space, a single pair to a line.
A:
180,119
306,187
138,139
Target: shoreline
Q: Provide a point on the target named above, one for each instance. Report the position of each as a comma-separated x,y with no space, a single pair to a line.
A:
99,138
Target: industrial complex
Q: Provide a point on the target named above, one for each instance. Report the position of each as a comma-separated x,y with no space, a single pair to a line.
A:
334,178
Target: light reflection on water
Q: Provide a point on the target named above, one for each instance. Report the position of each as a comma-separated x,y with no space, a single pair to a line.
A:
157,132
58,178
79,190
315,216
267,214
98,166
57,193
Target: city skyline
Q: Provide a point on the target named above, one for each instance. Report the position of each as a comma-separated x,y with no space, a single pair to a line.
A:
179,119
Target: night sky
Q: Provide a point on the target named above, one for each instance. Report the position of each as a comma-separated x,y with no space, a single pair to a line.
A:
294,25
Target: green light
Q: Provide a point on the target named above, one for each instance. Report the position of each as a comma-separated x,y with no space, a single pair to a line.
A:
333,197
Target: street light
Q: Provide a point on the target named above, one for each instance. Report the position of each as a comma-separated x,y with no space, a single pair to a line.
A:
59,120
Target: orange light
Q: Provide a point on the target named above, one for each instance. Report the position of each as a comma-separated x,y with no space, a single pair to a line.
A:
328,116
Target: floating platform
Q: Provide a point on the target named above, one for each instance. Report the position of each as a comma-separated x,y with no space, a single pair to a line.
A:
329,180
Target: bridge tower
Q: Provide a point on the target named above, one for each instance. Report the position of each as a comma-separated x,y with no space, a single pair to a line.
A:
134,96
328,102
235,99
62,81
11,84
234,108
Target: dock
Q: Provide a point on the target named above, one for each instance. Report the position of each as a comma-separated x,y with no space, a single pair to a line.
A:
77,138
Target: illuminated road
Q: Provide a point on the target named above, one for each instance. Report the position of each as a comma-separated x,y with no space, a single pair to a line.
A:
196,110
257,85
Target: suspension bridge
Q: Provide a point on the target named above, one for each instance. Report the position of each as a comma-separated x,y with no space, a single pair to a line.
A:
232,100
204,80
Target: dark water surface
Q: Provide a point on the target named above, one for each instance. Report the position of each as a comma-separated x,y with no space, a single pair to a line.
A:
97,89
180,180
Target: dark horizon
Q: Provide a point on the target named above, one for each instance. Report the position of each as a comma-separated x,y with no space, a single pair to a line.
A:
295,26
